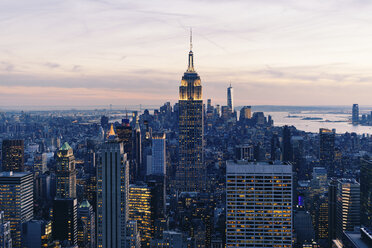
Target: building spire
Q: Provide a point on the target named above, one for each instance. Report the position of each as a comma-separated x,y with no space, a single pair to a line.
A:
190,39
191,56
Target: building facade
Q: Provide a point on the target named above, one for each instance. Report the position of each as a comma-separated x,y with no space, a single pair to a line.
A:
16,200
259,204
65,172
13,155
158,155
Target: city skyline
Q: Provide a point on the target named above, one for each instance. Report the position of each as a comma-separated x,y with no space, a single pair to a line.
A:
86,53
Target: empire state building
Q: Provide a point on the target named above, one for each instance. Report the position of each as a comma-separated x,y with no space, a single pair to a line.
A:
191,173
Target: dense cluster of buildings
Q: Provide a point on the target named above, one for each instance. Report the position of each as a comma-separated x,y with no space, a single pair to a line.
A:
191,175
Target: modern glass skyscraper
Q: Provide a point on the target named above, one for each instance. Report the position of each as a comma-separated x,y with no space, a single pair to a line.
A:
230,98
13,155
158,155
112,194
16,200
259,204
65,172
191,171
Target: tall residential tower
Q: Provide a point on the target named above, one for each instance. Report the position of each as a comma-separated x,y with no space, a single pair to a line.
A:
191,170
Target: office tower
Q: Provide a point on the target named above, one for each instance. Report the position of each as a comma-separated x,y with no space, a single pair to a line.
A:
137,152
171,239
297,143
347,206
230,98
65,172
156,183
133,236
158,154
327,150
209,105
259,204
112,194
286,145
5,234
86,215
303,227
37,233
13,155
245,113
191,172
140,211
16,200
64,223
125,135
355,114
366,193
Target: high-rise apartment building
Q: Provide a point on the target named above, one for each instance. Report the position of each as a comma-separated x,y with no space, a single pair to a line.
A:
366,193
355,114
327,150
191,172
65,172
13,155
16,200
158,155
230,98
259,204
347,206
112,194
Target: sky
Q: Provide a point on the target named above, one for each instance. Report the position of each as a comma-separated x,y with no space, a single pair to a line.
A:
101,52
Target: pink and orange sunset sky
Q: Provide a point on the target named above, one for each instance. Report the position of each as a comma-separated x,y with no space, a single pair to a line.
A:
277,52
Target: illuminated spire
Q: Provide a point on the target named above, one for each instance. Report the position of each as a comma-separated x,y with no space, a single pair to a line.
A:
191,56
112,131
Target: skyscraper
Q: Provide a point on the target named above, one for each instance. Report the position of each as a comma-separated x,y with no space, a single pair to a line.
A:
286,145
347,206
13,155
140,211
355,114
259,204
190,174
16,200
158,154
327,150
366,193
86,215
64,223
230,98
112,194
65,172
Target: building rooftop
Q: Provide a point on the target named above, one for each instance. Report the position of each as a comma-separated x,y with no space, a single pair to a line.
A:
242,166
13,174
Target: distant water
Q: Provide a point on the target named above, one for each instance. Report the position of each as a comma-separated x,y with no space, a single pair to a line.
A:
339,121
